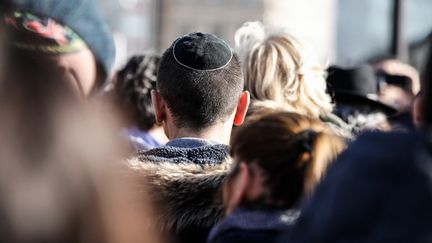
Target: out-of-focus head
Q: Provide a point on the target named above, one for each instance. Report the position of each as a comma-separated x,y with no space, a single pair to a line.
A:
281,71
43,40
398,83
132,88
68,36
398,68
355,91
60,178
278,159
200,81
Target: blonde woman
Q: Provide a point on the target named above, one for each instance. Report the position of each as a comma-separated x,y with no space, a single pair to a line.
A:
282,73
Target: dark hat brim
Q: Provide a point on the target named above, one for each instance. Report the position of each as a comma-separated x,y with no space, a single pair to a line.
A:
343,97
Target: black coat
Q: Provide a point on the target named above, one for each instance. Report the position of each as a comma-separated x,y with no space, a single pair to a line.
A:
249,236
379,190
253,226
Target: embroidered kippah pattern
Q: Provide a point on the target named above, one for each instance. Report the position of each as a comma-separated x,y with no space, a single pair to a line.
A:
35,33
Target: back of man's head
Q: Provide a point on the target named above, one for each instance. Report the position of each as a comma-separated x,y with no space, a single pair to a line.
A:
200,80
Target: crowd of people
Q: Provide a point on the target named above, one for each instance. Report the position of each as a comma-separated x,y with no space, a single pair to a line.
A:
205,142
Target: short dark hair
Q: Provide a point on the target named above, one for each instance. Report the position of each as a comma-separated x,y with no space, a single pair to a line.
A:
199,98
132,87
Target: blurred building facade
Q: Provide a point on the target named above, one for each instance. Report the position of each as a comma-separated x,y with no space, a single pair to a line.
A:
220,17
134,24
223,17
313,21
344,32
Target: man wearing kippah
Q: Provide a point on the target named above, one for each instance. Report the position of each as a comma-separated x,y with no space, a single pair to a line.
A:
67,36
199,97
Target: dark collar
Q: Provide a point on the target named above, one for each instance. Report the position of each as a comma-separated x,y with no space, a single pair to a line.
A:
262,219
189,142
187,150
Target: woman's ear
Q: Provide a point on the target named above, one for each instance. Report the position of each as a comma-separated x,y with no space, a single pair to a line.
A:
235,190
158,107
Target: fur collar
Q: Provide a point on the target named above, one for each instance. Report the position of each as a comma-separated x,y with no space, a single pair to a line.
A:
186,194
201,154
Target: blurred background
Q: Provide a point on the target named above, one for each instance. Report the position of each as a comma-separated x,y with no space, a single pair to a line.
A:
343,32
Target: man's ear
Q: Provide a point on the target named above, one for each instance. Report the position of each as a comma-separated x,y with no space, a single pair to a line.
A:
158,106
236,189
242,108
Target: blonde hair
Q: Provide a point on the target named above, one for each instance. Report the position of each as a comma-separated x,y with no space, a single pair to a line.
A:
281,72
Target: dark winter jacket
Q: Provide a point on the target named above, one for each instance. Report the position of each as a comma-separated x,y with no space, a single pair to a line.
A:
251,225
184,178
379,190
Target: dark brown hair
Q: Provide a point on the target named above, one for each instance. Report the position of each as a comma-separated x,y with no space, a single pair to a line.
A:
132,87
292,150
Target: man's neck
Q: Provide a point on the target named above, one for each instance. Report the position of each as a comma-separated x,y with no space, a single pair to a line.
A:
219,133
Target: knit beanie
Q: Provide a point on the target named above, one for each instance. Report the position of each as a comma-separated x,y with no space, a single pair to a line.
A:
80,22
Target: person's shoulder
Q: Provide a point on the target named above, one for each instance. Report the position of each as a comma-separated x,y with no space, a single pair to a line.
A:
379,151
395,136
380,185
390,143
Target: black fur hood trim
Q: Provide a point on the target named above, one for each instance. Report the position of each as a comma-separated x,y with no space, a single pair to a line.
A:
187,194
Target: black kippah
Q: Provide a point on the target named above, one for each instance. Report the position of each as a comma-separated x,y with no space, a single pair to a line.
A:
201,51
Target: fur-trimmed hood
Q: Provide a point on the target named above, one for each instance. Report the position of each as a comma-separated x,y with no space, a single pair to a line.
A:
186,194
